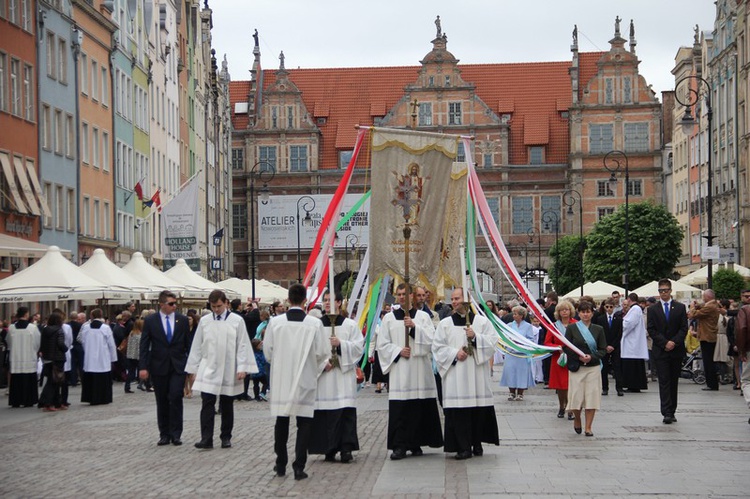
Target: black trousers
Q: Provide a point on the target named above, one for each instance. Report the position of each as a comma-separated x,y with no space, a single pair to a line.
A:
709,366
168,390
208,415
51,393
668,371
281,437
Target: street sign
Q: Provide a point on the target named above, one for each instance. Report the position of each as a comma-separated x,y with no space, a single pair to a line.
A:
216,264
710,253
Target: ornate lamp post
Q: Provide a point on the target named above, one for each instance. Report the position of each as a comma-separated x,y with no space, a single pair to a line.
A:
613,162
265,175
570,197
534,232
552,217
691,98
308,204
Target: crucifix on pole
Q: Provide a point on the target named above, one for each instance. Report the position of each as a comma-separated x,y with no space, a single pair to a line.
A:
406,202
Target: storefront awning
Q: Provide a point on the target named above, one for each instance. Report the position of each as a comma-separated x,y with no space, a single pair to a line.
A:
37,188
10,177
23,179
21,248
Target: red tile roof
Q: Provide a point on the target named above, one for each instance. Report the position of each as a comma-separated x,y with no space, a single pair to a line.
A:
534,93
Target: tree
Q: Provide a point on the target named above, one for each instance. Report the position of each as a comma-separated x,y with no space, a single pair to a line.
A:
655,238
728,284
566,267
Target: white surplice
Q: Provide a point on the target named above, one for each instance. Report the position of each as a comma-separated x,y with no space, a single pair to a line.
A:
465,383
337,388
408,378
24,347
296,351
633,344
98,348
221,349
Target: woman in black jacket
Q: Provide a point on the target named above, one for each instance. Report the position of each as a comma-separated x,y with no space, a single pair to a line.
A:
52,351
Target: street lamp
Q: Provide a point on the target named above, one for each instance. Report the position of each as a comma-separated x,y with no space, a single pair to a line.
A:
613,161
534,232
354,242
692,98
570,197
552,217
308,205
265,175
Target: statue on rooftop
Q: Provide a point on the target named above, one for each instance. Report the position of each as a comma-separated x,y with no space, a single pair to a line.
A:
255,37
281,58
439,28
575,35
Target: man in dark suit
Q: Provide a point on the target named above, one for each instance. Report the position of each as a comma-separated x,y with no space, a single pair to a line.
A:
611,322
164,352
667,325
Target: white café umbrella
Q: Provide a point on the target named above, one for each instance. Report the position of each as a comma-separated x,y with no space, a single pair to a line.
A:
151,277
122,286
700,276
265,291
186,276
52,278
598,290
678,289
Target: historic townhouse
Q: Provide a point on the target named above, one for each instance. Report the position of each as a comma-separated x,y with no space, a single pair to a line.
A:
540,128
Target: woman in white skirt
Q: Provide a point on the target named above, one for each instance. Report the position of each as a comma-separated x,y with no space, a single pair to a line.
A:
585,383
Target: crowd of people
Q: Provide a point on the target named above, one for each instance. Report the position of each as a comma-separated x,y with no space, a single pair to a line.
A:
424,359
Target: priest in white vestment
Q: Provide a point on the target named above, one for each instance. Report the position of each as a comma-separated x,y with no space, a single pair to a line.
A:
99,353
24,340
413,417
335,420
297,348
220,358
633,347
467,395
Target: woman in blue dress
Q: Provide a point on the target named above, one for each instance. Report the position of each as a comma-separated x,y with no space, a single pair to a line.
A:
517,372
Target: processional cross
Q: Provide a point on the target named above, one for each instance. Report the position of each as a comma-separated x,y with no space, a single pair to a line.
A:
404,199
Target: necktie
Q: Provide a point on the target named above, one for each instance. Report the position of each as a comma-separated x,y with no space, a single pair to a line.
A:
666,311
218,317
610,321
169,330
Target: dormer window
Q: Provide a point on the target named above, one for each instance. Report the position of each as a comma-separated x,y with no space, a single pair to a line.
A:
274,115
447,80
431,81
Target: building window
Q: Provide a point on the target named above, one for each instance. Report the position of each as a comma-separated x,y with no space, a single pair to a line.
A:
51,55
70,136
46,131
238,158
267,158
85,142
636,137
298,158
13,11
95,147
3,82
26,14
608,91
460,153
635,188
86,216
551,204
97,218
15,87
48,195
94,80
425,114
487,160
71,222
239,221
627,90
523,214
603,212
84,74
344,158
62,61
604,189
59,208
105,218
431,81
105,151
28,92
447,80
274,116
536,155
600,139
290,117
105,87
454,113
59,132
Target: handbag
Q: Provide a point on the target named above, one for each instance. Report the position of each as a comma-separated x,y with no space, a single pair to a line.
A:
58,374
123,345
574,363
360,375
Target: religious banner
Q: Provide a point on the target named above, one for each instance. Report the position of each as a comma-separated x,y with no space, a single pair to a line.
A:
179,228
418,186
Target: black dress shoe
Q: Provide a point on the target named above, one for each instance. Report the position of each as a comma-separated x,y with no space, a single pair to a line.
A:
667,420
463,455
578,430
330,458
279,470
478,450
620,393
226,443
129,391
605,392
417,451
299,475
176,441
561,413
707,389
398,454
164,441
204,444
346,457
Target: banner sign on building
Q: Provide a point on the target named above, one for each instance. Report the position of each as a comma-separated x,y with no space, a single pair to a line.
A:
277,222
179,228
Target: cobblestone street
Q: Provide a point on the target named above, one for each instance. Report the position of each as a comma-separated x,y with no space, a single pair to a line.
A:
111,451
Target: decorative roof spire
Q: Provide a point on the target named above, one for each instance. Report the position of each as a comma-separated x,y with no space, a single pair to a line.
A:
633,43
281,61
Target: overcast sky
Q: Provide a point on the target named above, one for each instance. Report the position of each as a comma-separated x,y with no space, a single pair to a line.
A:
347,33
